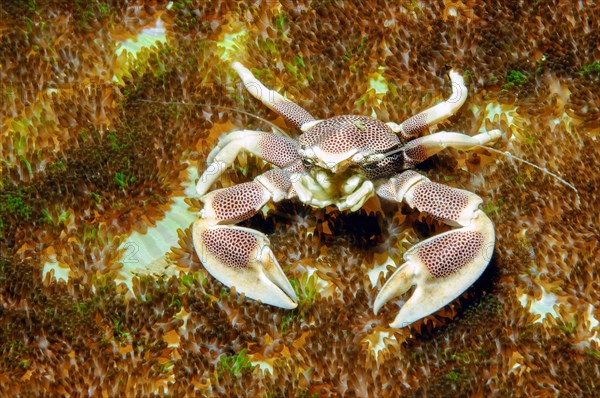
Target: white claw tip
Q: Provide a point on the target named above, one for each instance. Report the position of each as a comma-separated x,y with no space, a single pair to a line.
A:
495,134
379,302
399,325
456,77
242,71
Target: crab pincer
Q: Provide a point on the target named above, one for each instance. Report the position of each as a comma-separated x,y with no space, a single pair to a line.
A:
445,265
238,256
241,257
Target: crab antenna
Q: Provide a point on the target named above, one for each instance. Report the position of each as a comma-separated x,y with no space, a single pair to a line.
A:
275,127
511,156
535,166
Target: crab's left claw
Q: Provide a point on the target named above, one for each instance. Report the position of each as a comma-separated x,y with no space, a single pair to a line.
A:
241,257
443,266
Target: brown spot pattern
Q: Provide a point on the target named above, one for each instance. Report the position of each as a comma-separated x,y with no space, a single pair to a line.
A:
445,255
296,167
441,201
238,202
340,134
414,153
404,178
386,167
279,178
292,113
230,246
413,126
387,191
278,150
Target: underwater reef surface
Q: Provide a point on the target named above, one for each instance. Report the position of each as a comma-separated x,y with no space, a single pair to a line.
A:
110,108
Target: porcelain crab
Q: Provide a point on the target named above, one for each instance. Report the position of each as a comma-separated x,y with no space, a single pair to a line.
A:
343,161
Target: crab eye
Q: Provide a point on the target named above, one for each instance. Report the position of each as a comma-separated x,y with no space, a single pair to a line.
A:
306,163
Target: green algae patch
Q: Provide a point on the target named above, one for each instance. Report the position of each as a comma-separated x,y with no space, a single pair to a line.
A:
515,79
236,365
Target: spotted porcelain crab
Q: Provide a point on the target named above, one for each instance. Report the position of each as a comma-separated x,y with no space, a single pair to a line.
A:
343,161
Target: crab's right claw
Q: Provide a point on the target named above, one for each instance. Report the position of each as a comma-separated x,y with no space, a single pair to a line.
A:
242,258
442,268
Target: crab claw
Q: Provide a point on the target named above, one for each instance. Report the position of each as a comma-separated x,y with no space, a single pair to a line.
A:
441,267
241,257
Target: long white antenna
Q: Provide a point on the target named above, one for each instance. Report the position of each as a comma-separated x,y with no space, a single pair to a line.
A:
275,127
535,166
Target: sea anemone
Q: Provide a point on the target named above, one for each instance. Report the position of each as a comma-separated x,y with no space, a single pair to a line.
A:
102,145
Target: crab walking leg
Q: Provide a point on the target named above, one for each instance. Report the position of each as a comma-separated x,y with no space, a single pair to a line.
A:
275,149
419,149
418,123
241,257
443,266
291,112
